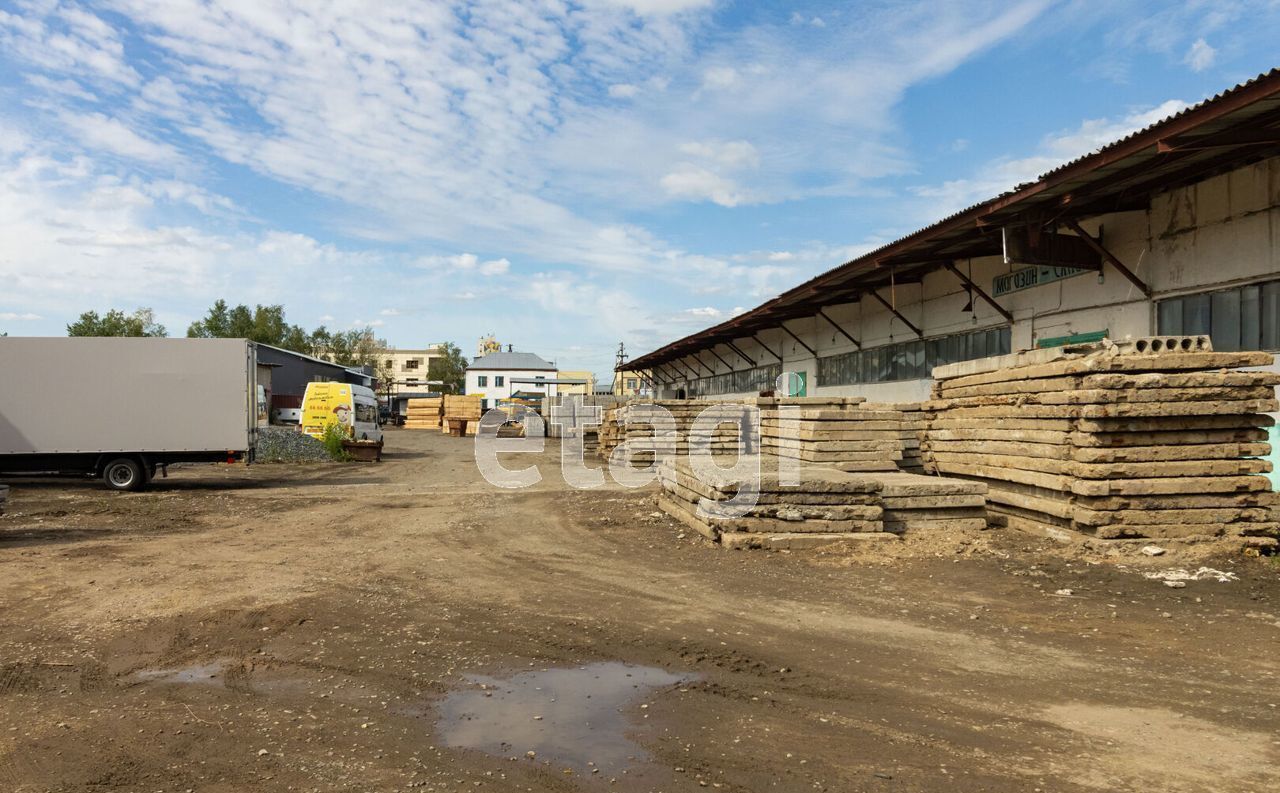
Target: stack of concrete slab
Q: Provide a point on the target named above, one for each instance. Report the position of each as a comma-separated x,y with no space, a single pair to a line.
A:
1113,441
915,503
914,421
823,507
660,429
835,432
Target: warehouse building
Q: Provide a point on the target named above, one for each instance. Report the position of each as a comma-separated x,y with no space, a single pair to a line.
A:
1174,229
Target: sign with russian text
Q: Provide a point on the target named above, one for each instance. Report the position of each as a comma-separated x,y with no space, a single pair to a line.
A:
1028,277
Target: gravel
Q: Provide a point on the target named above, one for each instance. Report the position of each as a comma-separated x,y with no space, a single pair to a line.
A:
288,445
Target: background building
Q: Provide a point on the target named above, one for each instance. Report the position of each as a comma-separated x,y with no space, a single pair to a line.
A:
409,369
585,389
631,384
490,376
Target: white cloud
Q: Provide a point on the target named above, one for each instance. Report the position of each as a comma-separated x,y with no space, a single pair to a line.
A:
326,318
1004,174
623,90
700,184
26,316
1200,56
719,77
781,256
730,154
389,312
101,132
659,7
465,263
495,267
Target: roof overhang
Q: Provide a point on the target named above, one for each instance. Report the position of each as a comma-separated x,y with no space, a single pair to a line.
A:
1231,130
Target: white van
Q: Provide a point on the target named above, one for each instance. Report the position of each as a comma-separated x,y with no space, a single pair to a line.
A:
353,406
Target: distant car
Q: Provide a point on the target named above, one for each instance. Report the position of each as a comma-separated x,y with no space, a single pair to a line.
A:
286,416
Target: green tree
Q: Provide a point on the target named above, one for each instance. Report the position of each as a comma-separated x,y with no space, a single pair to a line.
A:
117,323
450,368
263,324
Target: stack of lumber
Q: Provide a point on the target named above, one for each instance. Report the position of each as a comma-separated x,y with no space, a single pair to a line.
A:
462,406
1113,442
824,507
915,503
662,428
836,432
424,413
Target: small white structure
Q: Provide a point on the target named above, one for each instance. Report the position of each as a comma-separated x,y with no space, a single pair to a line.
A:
490,376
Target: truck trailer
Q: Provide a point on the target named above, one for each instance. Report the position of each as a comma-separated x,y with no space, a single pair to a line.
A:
122,409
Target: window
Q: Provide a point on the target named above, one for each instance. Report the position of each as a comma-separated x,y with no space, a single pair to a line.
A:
1241,318
761,378
498,380
631,382
482,381
366,414
412,363
911,360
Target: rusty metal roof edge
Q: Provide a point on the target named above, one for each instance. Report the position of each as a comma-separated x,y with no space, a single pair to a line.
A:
1265,84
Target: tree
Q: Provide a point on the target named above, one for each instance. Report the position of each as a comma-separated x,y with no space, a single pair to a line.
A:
263,324
450,368
116,323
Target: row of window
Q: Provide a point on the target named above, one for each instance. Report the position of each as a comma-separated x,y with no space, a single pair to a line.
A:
761,378
911,360
1241,318
483,380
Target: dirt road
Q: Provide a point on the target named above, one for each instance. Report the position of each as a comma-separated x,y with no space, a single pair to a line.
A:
341,627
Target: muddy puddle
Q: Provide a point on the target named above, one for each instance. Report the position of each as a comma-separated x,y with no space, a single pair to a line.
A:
211,674
581,718
233,676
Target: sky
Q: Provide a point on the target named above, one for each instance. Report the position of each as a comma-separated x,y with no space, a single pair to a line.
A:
564,175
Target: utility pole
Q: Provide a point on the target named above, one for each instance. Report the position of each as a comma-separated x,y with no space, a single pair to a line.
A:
621,358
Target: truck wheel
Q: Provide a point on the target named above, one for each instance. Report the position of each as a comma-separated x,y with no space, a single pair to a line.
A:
123,474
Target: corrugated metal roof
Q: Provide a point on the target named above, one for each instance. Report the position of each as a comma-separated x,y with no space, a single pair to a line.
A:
1103,181
512,361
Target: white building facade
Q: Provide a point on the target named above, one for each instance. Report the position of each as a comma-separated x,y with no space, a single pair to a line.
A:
490,376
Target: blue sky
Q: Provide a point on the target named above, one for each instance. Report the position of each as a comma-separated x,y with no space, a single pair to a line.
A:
565,175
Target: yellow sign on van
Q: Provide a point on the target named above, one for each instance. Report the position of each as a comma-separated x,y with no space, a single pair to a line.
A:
326,403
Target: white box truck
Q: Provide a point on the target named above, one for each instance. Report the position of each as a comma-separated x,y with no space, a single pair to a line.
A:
121,409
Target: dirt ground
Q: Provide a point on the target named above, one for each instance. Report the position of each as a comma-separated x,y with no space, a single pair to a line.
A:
296,628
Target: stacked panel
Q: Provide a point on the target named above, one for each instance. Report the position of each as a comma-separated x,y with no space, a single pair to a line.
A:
1112,442
825,506
834,432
